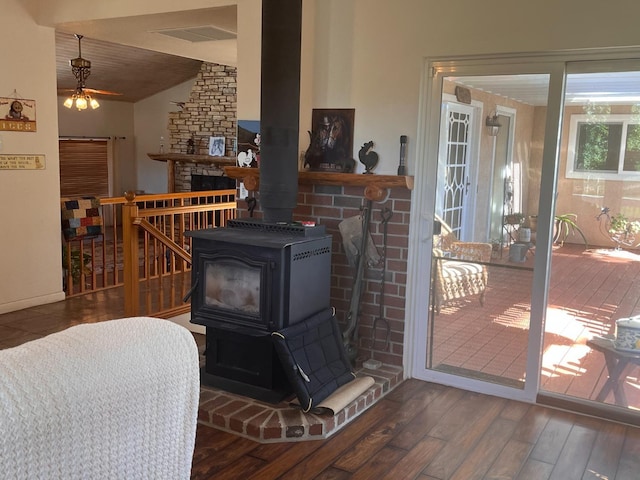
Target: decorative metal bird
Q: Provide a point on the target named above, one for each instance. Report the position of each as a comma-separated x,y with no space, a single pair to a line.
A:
179,104
368,157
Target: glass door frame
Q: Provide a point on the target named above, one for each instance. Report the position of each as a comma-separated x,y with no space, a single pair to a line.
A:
421,228
424,203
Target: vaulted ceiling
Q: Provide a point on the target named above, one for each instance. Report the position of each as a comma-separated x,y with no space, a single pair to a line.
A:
137,57
132,73
140,56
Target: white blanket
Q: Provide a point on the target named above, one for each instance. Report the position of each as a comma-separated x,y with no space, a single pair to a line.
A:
111,400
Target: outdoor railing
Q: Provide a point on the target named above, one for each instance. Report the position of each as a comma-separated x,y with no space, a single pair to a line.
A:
144,249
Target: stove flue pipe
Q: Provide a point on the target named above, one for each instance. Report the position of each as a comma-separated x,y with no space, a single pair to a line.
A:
280,108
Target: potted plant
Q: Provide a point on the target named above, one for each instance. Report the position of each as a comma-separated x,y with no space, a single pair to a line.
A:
565,225
623,231
77,266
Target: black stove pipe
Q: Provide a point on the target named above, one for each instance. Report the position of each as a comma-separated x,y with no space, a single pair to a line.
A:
280,108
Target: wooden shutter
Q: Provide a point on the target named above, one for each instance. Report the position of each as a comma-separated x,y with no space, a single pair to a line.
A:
83,168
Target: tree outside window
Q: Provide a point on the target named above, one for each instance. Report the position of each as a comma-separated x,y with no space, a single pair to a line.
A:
606,147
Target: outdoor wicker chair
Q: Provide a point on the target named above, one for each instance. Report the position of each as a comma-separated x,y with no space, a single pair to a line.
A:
456,273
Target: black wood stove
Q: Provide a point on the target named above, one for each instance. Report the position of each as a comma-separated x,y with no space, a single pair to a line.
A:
254,277
250,279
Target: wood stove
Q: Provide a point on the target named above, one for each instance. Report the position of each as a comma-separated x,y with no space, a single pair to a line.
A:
257,276
250,279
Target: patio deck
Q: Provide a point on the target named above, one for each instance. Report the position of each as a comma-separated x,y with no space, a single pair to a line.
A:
589,291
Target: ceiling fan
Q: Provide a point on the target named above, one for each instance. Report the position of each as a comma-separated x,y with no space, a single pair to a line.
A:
81,95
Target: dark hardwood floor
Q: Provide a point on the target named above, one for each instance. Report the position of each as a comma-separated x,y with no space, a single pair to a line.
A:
426,431
418,431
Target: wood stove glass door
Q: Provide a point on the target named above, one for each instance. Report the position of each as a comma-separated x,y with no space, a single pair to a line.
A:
235,292
233,285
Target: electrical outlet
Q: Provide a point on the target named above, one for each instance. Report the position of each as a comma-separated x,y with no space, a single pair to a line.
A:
244,193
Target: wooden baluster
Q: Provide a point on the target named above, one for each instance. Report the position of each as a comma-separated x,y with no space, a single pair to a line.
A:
130,244
94,276
68,268
116,244
82,284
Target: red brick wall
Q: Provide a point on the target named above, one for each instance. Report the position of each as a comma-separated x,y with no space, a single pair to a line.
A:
329,205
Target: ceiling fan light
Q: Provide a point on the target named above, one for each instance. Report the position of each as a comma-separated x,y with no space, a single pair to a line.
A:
81,69
81,103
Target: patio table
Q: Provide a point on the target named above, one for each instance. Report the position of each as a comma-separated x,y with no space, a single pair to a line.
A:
617,363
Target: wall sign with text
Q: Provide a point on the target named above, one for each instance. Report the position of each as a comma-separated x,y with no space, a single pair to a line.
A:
22,162
17,115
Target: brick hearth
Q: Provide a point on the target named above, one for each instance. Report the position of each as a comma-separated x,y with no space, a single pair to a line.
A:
267,423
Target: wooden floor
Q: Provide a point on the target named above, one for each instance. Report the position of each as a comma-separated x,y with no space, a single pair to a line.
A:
420,430
426,431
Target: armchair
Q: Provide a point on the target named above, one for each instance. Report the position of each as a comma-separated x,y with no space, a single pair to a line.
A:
456,274
111,400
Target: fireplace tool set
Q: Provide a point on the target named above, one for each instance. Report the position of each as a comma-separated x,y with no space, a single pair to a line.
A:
361,252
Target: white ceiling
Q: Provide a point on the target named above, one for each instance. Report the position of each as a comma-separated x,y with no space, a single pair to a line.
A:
614,87
142,55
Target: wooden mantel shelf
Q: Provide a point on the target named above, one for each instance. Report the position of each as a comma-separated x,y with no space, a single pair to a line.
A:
327,178
192,158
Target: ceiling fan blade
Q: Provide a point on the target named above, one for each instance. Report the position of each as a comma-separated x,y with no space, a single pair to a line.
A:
91,91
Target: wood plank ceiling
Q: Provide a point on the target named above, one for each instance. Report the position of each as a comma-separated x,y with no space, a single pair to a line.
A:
134,73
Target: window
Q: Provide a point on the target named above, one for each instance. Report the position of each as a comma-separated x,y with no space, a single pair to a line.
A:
84,168
604,146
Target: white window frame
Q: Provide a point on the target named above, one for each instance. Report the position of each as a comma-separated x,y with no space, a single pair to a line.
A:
625,119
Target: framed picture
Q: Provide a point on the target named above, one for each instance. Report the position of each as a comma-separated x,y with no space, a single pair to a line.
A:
331,146
216,146
17,115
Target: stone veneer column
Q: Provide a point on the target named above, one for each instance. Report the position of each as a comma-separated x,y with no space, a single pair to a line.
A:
211,111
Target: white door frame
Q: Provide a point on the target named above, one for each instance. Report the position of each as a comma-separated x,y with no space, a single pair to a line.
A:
424,201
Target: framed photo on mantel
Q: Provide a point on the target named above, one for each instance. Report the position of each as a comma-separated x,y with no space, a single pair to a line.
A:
331,144
216,146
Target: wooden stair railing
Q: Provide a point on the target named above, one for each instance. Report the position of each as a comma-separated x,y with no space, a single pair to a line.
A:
144,249
157,230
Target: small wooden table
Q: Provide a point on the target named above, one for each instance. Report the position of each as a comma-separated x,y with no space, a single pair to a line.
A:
617,363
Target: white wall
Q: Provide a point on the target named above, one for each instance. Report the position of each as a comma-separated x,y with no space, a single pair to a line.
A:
151,121
30,246
367,55
375,62
249,35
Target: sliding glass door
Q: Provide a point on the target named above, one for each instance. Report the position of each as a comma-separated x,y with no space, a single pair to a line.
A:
487,189
529,200
595,274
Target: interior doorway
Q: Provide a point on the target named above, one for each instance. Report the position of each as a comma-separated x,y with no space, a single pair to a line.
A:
457,166
502,191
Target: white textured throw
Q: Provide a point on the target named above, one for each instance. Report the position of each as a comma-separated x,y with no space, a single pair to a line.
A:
111,400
